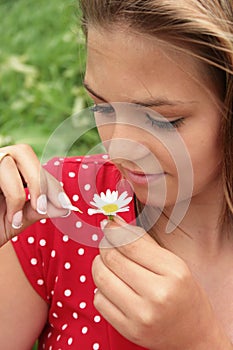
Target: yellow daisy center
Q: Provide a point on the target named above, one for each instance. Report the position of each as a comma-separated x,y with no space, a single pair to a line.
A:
110,208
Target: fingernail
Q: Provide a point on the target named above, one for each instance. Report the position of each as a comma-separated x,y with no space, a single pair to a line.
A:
17,220
103,224
42,204
67,214
66,203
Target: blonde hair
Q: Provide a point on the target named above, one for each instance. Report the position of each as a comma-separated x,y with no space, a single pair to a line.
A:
204,28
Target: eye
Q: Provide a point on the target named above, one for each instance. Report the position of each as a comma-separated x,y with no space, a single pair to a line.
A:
174,124
103,109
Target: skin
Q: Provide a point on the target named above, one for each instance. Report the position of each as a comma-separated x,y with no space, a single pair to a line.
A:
164,305
160,295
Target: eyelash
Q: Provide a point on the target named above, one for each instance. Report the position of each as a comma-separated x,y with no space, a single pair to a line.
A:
108,109
166,125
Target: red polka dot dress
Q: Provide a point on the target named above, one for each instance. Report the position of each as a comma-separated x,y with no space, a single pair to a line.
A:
56,256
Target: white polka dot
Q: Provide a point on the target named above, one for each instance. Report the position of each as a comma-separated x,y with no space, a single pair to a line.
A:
59,304
75,197
53,253
49,334
85,166
40,282
55,315
70,341
50,348
96,346
33,261
56,163
71,174
82,278
97,318
95,290
52,292
95,237
64,326
65,238
105,156
58,337
84,330
29,196
61,183
78,159
75,315
82,305
42,242
67,265
15,239
78,224
67,292
87,187
56,279
61,159
81,251
43,221
31,240
43,346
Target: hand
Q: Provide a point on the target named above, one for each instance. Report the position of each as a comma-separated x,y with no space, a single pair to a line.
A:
149,295
16,213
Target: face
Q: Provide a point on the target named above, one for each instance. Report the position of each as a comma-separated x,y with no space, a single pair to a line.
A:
157,115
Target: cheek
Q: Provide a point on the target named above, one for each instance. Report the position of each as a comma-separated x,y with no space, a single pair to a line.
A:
206,158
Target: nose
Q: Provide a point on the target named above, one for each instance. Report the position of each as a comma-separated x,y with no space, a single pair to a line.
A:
126,142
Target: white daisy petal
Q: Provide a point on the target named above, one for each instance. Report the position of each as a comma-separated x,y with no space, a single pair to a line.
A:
125,202
103,196
123,195
114,196
109,203
122,210
94,204
96,197
94,211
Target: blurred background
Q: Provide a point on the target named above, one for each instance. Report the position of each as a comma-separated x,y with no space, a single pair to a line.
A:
42,61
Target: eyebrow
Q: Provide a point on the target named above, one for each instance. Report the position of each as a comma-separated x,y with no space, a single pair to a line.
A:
159,102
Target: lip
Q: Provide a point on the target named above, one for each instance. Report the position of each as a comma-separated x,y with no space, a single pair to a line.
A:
141,178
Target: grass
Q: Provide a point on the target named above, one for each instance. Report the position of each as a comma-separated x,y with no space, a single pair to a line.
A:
42,60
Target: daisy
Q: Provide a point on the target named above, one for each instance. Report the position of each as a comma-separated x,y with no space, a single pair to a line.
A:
110,204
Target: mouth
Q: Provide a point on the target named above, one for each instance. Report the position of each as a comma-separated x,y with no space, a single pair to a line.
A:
139,177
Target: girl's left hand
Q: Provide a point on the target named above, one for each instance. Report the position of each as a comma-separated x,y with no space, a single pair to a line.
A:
150,296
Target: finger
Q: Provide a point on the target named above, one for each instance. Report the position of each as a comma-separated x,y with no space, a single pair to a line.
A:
32,173
109,311
43,187
29,216
143,250
11,187
141,280
123,324
114,288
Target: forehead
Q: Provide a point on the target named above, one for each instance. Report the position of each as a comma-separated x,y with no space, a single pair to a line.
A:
134,64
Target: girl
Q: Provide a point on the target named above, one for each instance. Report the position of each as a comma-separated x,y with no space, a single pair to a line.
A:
160,74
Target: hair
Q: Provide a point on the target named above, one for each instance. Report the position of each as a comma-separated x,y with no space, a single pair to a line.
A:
205,29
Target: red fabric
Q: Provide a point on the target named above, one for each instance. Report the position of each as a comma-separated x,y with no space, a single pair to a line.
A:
56,256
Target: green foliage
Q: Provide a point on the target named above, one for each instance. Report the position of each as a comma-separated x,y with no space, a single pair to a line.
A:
42,59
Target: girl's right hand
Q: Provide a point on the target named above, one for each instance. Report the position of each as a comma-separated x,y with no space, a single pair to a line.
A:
21,168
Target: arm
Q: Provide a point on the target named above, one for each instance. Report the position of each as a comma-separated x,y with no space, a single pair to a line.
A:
23,312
